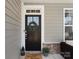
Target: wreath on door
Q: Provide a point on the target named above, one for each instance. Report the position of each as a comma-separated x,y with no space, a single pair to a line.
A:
32,26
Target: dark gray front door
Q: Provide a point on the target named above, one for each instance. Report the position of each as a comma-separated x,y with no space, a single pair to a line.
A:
33,32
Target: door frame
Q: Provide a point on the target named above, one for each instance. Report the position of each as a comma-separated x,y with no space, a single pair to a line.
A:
24,8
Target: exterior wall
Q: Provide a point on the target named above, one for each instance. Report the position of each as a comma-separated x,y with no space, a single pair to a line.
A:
54,22
12,29
53,25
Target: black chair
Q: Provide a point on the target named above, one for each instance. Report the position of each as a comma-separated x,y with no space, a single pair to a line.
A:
66,50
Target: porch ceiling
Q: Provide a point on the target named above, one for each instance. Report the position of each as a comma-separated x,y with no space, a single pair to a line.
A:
47,1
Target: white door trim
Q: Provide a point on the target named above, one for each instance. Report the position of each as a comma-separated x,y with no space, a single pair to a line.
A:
24,8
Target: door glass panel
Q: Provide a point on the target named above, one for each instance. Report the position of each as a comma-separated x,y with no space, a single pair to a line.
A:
29,20
32,21
36,20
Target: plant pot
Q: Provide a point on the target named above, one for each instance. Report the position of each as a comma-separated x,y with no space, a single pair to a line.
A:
45,51
45,54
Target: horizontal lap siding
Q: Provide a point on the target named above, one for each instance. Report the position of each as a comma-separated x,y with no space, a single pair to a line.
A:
54,22
12,28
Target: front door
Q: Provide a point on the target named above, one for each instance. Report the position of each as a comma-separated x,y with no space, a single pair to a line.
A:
33,32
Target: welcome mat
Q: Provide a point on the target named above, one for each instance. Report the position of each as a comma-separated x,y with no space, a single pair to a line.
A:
33,56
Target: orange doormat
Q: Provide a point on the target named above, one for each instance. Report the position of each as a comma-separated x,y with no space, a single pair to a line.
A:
33,56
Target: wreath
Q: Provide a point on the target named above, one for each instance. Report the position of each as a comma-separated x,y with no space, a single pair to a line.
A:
32,26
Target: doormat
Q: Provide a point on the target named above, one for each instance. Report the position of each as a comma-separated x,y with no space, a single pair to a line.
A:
33,56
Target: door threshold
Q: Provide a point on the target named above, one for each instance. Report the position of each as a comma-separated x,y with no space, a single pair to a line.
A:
33,52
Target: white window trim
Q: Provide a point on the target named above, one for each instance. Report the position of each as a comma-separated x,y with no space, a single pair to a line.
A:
68,25
64,22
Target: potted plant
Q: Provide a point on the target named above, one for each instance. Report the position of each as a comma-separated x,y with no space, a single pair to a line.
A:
22,51
45,51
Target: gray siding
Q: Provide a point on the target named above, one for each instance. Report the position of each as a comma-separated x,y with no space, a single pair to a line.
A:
54,22
12,29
